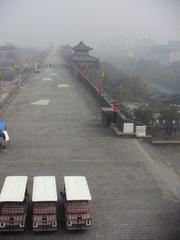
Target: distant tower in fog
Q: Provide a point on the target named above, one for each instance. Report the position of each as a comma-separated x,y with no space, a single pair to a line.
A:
82,58
84,61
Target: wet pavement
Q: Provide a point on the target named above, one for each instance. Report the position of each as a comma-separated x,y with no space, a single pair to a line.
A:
55,129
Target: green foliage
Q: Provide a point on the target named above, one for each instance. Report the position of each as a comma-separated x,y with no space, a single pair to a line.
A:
134,87
154,72
151,71
143,115
169,114
176,98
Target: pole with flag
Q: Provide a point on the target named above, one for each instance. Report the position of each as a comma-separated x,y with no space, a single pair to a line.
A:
102,81
121,95
1,76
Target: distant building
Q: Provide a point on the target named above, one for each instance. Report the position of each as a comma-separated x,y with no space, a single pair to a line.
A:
7,55
150,50
51,45
84,61
66,51
143,49
8,59
168,53
157,102
82,58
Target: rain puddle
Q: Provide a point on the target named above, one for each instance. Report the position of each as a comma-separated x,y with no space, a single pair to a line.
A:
41,102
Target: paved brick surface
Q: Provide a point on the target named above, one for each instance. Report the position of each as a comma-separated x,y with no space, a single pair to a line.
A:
168,155
130,200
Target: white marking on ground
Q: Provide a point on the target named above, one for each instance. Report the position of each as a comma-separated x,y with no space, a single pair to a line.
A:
47,79
63,86
53,74
41,102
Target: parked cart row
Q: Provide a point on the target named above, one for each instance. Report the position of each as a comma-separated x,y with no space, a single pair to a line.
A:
14,199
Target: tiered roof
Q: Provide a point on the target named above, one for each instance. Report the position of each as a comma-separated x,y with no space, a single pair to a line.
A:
81,47
81,54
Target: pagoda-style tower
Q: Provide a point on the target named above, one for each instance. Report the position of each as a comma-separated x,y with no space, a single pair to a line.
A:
83,60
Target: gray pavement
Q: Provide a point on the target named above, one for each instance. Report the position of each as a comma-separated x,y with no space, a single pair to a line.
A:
132,199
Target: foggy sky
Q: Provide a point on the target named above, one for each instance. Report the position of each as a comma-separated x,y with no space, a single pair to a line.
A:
38,22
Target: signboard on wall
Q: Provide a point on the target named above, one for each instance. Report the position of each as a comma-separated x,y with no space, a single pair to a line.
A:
140,131
128,128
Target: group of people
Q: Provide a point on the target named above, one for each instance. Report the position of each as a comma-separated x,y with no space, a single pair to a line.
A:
158,123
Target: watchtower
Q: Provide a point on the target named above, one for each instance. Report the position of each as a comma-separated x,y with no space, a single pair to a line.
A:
83,60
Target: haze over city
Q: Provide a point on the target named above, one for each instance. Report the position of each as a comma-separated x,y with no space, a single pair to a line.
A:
36,23
90,140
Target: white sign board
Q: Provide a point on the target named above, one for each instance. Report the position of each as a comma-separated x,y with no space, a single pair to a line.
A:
128,128
140,131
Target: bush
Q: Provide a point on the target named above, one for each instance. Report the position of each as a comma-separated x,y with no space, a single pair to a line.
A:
144,115
169,114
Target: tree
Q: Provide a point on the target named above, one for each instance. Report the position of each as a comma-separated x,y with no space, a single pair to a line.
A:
143,115
134,86
169,114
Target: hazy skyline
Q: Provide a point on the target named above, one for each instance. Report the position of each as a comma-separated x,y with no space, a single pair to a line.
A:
38,22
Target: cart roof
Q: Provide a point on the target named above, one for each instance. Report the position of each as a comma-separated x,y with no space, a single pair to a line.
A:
76,188
2,126
14,189
44,189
